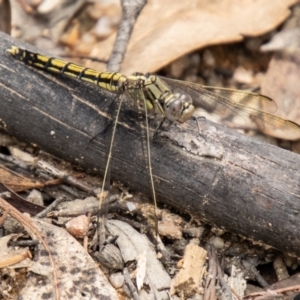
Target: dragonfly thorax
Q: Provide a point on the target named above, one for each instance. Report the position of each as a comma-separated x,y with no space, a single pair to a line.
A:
173,106
133,83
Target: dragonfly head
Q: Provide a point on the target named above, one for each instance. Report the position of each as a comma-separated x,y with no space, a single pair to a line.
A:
178,107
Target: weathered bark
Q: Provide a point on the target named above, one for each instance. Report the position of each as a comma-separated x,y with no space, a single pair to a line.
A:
249,187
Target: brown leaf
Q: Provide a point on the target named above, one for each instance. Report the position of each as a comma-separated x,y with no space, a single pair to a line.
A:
17,182
169,29
282,84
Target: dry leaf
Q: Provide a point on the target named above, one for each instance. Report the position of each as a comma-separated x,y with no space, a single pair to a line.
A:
169,29
282,79
53,17
133,246
78,275
282,84
288,40
17,182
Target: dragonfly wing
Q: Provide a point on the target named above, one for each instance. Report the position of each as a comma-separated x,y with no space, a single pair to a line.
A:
245,98
248,99
275,126
241,108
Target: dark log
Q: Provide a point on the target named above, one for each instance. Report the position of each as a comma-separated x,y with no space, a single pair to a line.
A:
227,179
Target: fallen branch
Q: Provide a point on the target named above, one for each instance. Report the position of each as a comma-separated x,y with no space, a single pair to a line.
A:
227,179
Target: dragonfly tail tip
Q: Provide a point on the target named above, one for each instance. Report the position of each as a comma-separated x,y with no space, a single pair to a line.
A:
12,50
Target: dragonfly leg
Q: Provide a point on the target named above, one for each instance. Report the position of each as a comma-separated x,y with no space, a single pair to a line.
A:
158,128
110,112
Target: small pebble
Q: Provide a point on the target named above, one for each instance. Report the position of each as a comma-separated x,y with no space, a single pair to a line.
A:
116,280
78,226
35,197
217,242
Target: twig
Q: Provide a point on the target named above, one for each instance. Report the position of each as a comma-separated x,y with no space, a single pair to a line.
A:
50,207
210,285
132,288
249,266
65,177
130,12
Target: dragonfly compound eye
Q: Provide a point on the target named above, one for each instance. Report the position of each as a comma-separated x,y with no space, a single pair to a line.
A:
173,107
179,107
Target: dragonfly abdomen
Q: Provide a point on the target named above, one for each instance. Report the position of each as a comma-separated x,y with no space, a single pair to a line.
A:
106,80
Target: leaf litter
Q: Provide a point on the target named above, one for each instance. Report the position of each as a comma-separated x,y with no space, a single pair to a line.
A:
155,43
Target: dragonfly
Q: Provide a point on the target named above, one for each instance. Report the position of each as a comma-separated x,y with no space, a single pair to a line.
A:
173,100
176,100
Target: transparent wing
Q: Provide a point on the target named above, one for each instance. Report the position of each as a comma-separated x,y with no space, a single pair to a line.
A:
248,99
243,108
